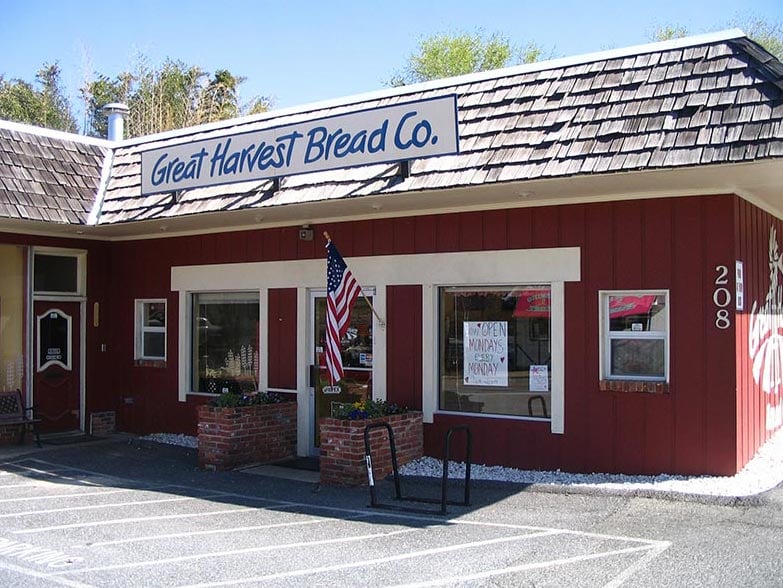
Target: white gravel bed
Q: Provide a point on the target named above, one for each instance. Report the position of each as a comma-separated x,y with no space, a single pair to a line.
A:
763,472
172,439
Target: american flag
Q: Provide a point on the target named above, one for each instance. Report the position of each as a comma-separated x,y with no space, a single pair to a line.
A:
342,290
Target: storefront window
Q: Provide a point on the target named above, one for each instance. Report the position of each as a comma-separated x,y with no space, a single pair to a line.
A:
224,332
12,313
495,353
636,327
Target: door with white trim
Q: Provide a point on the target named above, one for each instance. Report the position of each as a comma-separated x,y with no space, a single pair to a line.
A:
357,355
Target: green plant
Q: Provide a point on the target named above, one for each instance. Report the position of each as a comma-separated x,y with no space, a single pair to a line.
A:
233,399
366,409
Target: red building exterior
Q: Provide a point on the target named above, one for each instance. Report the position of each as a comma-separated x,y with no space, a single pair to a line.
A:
693,223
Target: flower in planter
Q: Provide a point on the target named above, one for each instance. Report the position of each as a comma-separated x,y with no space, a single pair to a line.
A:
233,399
366,409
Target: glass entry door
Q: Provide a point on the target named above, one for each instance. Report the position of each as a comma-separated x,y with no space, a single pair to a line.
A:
357,354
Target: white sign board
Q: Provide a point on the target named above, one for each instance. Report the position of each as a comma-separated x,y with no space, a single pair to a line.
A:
412,130
485,348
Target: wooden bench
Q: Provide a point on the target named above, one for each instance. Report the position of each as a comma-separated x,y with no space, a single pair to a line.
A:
13,412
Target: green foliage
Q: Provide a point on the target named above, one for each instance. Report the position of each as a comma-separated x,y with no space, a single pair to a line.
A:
173,96
669,32
233,399
43,104
366,409
447,55
768,34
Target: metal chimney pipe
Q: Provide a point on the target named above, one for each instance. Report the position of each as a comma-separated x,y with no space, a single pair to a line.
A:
116,112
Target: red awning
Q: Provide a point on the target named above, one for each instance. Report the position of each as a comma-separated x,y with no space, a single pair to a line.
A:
538,303
630,305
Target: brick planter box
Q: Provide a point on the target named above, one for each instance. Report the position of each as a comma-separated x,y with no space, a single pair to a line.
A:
232,437
342,447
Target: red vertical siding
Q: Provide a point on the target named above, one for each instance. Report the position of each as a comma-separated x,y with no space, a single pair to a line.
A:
671,244
403,351
656,250
753,241
687,363
282,344
598,274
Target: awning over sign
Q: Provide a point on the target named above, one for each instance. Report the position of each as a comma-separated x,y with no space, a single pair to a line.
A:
630,305
537,303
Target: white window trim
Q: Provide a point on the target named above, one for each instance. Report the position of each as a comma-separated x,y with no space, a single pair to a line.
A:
186,367
489,288
605,335
140,329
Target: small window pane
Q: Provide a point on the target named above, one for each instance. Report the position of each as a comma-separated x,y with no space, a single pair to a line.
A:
638,357
55,273
154,345
154,314
637,313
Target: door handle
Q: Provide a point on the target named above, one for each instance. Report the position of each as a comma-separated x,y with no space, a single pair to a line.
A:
313,376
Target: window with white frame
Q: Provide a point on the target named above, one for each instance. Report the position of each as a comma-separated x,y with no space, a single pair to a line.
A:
151,329
495,350
635,335
224,336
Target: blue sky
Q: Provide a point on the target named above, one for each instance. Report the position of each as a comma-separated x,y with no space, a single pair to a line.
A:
298,52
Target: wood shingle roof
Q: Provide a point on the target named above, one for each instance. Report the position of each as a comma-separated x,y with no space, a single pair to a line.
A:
48,176
714,100
711,101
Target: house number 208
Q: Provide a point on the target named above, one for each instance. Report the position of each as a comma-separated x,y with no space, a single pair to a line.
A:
721,297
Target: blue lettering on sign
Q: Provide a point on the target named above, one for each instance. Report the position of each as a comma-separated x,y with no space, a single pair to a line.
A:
397,132
418,136
253,157
177,170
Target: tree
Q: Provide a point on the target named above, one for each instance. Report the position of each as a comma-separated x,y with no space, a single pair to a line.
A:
446,55
767,34
45,105
174,96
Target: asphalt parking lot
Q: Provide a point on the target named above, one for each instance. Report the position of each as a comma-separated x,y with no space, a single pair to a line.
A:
67,525
129,513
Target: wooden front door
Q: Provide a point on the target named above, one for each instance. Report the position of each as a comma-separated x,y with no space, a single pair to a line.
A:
57,379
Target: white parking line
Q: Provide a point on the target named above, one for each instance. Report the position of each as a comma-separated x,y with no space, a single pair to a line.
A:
371,562
532,566
52,474
170,560
59,496
34,574
4,486
132,520
210,532
110,505
649,549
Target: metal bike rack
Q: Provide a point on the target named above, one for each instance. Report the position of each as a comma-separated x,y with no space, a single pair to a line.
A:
397,486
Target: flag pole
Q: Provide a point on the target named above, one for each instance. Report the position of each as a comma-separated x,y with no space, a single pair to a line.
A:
381,322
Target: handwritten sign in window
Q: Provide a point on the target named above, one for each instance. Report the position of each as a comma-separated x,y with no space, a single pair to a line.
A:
485,353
